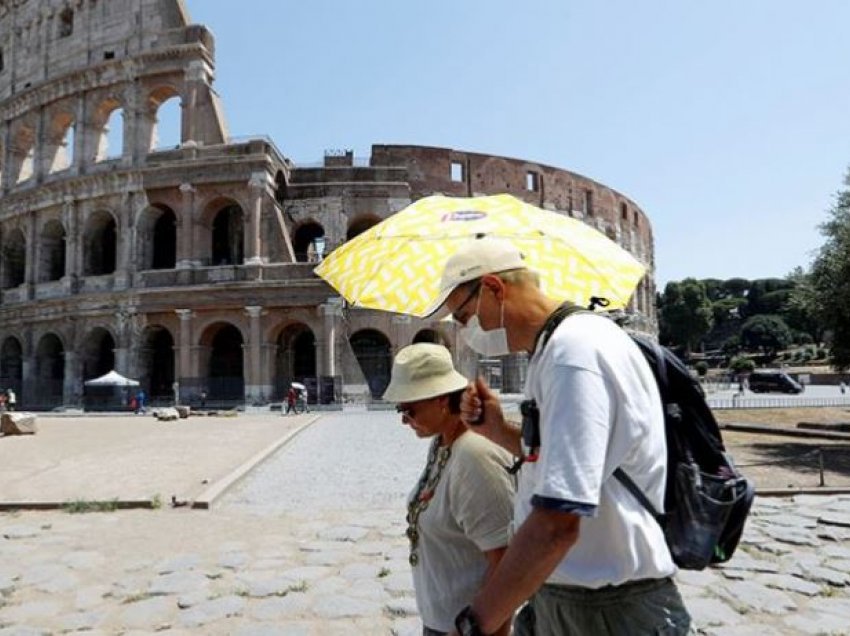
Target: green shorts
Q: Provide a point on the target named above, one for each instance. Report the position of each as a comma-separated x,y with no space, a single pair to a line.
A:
650,607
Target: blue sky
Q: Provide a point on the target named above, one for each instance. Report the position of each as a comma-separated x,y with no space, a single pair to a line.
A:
728,122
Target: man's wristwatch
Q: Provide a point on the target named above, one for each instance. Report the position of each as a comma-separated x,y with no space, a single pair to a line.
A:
466,623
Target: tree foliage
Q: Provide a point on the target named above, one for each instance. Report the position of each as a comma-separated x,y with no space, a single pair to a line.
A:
830,278
765,332
685,313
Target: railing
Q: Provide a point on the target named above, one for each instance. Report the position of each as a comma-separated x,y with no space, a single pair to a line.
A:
774,402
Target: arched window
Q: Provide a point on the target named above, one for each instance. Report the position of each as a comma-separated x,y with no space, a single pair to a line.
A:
228,235
60,147
309,242
165,132
101,243
14,259
110,143
66,23
51,252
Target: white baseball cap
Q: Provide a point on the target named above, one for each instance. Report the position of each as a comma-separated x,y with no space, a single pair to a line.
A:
473,260
421,371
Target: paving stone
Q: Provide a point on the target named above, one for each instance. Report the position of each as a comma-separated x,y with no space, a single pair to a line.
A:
407,627
273,630
178,583
23,630
711,612
85,560
149,611
356,571
343,533
826,575
307,573
325,557
61,582
190,599
751,596
273,586
91,596
398,583
834,606
7,584
20,531
370,548
177,564
81,621
839,519
792,536
812,623
233,560
29,610
329,585
836,552
278,608
211,611
405,607
789,584
339,606
369,589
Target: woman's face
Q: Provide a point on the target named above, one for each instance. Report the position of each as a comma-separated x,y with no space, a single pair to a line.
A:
425,417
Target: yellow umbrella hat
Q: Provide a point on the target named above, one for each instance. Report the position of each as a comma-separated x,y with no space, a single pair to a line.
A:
397,264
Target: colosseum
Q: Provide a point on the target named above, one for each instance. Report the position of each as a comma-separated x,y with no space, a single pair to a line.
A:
189,266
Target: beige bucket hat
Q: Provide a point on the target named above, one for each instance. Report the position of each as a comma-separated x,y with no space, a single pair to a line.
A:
421,371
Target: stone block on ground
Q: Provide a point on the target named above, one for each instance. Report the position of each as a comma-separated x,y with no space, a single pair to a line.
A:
18,423
167,414
183,411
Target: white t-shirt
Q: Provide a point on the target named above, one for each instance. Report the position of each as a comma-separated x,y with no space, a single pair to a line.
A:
599,409
470,513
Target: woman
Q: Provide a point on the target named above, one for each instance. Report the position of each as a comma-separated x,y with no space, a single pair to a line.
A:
459,511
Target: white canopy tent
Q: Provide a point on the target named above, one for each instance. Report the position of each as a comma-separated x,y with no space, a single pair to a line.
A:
113,378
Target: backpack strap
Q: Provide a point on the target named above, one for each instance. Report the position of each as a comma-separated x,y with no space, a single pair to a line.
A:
633,488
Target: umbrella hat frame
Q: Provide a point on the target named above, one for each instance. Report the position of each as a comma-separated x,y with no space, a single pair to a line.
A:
396,265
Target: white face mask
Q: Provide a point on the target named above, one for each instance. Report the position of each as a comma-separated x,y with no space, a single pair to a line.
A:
488,343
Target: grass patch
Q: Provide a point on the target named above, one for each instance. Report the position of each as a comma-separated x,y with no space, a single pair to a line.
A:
80,506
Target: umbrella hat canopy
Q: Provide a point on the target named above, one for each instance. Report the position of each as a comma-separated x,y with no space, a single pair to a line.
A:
396,265
113,378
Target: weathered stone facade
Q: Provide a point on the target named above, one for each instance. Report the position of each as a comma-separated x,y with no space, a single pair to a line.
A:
189,267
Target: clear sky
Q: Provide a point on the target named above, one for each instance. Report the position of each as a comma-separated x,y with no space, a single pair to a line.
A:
727,121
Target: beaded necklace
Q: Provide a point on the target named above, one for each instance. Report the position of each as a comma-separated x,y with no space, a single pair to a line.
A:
425,493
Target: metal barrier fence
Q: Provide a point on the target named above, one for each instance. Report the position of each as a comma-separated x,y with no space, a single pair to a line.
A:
810,460
770,402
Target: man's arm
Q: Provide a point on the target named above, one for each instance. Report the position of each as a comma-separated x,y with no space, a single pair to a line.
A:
493,557
532,555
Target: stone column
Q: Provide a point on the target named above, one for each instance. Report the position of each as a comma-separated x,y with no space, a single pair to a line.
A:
71,384
6,180
197,76
81,131
255,388
257,184
328,362
184,346
30,382
31,252
186,227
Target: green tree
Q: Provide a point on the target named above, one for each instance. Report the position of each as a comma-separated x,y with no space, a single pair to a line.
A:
804,311
766,333
685,314
742,364
830,278
736,287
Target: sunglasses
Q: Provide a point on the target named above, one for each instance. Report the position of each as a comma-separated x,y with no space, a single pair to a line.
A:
473,291
405,410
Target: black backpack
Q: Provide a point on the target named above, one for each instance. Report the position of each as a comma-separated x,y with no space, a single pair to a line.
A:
706,499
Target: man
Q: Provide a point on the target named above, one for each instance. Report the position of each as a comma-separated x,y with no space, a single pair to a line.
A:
586,553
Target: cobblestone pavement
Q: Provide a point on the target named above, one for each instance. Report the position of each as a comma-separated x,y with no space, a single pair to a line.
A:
312,543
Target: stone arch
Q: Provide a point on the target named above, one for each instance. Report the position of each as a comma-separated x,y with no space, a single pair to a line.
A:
164,118
431,335
295,357
24,152
100,244
59,152
49,372
11,364
157,362
109,129
51,251
227,235
97,353
223,347
360,224
156,242
374,354
308,242
14,259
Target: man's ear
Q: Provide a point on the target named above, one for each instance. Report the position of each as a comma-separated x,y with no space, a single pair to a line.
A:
495,285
